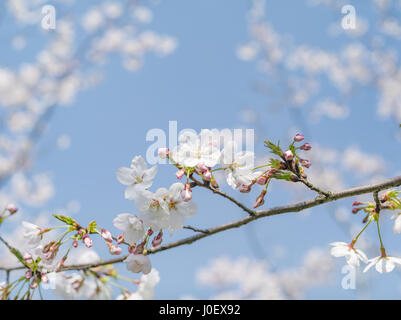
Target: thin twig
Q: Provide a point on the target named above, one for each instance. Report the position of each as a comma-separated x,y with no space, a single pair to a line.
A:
224,195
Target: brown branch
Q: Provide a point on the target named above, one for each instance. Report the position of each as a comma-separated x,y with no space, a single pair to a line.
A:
296,207
377,201
224,195
313,188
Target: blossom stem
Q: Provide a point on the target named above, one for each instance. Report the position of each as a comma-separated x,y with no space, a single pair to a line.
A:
20,289
120,276
380,237
359,234
40,292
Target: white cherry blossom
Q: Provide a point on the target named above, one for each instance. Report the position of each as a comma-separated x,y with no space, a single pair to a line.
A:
138,175
352,255
137,263
75,286
132,226
179,209
146,288
383,264
165,209
153,208
193,150
32,234
238,166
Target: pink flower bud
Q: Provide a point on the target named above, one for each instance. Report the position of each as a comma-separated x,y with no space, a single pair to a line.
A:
260,200
75,244
60,264
262,180
27,256
306,147
214,183
12,208
306,163
299,137
87,241
120,239
201,167
34,284
272,171
28,274
158,239
107,235
139,248
244,188
150,232
163,153
207,176
186,194
114,250
180,173
357,203
288,155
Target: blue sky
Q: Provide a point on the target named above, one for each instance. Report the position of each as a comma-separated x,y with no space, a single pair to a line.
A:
204,85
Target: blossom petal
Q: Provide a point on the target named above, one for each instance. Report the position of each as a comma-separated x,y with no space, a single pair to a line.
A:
124,175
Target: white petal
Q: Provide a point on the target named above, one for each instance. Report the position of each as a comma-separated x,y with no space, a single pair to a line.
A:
121,222
139,164
124,175
150,174
131,192
371,264
339,251
352,260
362,255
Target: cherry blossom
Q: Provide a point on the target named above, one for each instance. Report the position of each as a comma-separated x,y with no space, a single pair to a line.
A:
179,207
137,263
238,166
153,208
132,226
383,264
146,288
193,150
351,254
32,234
138,175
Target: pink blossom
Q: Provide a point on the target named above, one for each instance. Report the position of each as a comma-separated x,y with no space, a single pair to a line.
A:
87,241
180,173
299,137
163,153
186,194
288,155
306,146
107,235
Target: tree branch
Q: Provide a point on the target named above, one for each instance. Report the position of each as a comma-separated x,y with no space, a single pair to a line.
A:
296,207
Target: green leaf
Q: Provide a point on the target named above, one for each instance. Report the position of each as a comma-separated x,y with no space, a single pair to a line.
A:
275,149
283,175
92,227
274,163
66,220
